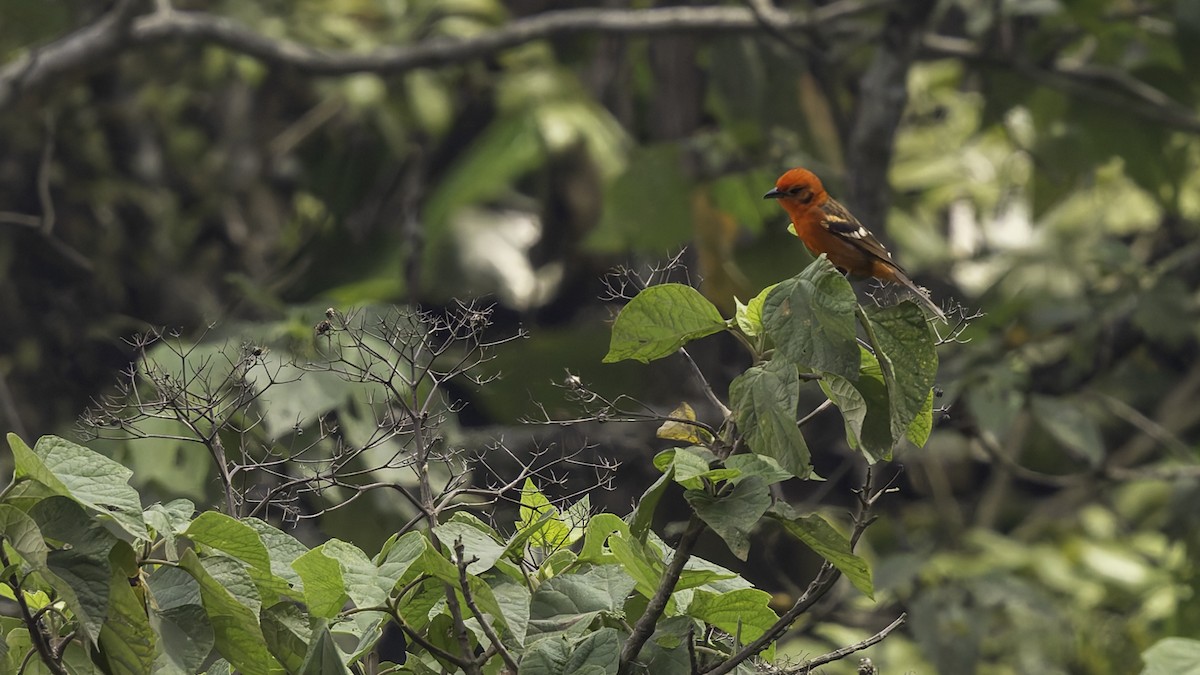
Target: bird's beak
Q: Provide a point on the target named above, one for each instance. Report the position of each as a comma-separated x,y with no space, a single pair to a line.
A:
773,193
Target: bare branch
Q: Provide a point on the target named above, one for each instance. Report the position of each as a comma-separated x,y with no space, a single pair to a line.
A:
1095,83
838,654
92,43
114,33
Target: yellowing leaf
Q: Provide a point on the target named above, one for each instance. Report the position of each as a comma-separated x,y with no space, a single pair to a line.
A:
677,430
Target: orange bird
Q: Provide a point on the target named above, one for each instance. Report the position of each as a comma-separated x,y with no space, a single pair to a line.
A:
825,226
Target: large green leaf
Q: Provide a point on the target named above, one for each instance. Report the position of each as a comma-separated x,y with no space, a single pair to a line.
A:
745,612
479,547
323,657
602,526
865,408
764,400
185,638
810,318
903,344
828,543
21,533
514,602
78,567
230,599
564,600
287,631
598,653
127,638
659,320
168,520
230,536
733,516
324,587
89,478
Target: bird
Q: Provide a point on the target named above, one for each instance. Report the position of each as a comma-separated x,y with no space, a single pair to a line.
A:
825,226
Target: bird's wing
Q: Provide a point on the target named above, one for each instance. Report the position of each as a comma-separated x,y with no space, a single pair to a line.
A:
841,222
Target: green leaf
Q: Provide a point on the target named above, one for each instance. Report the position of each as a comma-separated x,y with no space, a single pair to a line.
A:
810,318
819,535
547,656
168,520
922,425
761,466
555,533
598,652
79,568
690,464
643,514
127,639
903,344
733,516
230,536
287,632
564,600
1070,425
865,408
185,638
514,602
324,588
745,613
638,561
323,656
477,545
284,549
89,478
1172,656
21,533
749,316
235,624
764,400
659,320
666,652
603,525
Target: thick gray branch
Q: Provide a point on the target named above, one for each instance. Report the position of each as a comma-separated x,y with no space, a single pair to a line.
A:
106,37
95,41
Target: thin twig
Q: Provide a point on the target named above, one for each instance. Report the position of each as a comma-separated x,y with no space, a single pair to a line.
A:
464,583
838,654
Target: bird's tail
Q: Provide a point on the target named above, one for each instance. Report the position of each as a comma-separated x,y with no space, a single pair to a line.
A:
921,294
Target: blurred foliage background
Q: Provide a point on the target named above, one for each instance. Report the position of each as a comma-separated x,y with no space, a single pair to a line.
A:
1033,160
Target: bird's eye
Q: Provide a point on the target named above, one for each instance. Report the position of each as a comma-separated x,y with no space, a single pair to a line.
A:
802,193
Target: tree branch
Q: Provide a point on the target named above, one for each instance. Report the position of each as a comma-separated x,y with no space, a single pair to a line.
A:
94,42
838,654
114,33
645,626
1095,83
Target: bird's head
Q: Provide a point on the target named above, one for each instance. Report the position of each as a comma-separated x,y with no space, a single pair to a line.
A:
798,187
